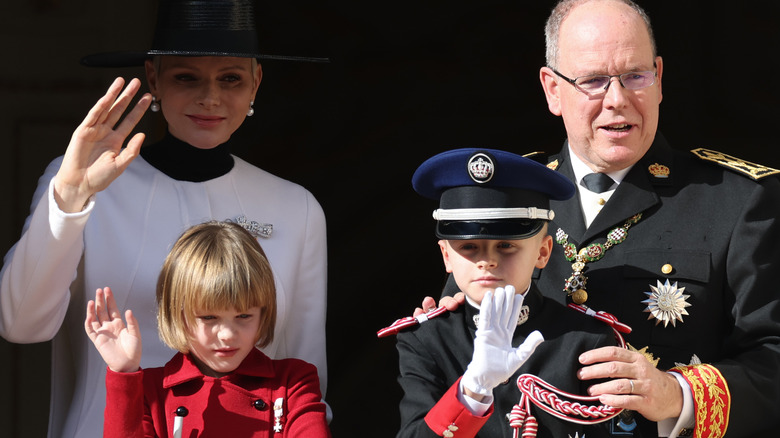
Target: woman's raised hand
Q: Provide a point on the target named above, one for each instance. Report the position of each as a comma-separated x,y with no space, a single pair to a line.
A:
95,156
119,345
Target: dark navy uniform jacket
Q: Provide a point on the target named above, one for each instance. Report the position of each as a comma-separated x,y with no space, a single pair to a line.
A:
435,354
718,231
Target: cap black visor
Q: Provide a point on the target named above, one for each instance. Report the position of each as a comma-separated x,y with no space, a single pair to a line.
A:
512,229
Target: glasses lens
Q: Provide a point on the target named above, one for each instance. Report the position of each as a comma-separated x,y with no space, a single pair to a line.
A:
592,83
638,79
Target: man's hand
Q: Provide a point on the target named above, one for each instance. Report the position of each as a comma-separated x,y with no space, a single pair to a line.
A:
451,303
636,384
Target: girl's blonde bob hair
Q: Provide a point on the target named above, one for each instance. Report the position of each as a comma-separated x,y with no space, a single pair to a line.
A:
214,266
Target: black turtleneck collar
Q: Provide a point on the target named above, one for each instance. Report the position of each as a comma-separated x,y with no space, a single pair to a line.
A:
184,162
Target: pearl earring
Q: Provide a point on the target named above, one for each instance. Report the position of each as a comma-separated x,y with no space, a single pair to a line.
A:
251,110
155,107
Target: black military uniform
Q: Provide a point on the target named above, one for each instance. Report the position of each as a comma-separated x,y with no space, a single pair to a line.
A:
434,355
492,195
714,232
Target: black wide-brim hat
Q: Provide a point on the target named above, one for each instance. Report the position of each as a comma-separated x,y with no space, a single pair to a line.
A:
198,28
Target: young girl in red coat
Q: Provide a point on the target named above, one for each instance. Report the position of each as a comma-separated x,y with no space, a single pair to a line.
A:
216,302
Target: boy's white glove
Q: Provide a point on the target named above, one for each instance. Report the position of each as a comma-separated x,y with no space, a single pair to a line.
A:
495,360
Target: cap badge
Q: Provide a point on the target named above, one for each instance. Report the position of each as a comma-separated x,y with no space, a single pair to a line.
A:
481,168
666,303
659,170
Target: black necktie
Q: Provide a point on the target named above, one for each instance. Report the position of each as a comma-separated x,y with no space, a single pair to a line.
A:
597,182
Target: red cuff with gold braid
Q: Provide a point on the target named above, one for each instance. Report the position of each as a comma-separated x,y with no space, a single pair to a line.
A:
711,398
449,418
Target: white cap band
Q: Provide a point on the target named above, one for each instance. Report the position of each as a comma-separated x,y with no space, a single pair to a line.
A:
465,214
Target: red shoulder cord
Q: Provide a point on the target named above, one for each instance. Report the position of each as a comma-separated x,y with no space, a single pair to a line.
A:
548,398
409,321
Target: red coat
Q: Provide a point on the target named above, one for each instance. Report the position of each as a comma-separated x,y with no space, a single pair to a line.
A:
241,404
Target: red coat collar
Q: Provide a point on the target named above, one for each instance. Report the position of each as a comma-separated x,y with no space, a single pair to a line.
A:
182,369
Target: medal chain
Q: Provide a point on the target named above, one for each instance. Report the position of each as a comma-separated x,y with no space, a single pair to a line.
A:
575,284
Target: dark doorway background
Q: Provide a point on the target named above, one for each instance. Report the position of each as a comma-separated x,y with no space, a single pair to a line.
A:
407,80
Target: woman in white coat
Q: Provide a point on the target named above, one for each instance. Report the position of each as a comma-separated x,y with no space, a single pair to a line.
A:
102,216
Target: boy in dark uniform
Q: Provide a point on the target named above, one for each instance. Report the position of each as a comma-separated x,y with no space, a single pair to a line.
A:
459,371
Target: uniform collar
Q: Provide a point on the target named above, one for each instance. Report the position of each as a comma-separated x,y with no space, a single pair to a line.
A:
636,193
181,368
533,301
581,169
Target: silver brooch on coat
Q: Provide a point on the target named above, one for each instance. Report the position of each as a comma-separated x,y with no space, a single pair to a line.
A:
666,303
255,228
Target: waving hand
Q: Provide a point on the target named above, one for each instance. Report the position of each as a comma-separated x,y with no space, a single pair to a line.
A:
494,359
95,157
120,346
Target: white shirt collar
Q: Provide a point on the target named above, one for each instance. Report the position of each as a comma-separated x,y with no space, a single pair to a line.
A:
590,202
581,169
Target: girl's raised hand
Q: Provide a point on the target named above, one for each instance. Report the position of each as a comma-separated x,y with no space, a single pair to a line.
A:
119,345
95,157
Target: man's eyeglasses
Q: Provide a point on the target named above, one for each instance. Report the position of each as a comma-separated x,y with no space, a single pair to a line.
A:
599,84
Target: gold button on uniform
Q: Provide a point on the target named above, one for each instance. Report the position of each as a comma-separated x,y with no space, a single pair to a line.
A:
448,433
667,269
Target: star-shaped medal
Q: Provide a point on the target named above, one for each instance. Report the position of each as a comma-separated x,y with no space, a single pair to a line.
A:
666,303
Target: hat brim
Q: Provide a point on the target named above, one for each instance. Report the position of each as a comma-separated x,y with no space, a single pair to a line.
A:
135,59
498,229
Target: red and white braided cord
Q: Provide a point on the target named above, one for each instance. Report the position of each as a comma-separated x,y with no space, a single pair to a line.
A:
409,321
545,396
617,327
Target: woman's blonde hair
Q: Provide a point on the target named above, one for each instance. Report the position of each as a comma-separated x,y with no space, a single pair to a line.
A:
214,265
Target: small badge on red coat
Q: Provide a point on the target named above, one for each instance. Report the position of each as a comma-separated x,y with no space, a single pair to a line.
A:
278,414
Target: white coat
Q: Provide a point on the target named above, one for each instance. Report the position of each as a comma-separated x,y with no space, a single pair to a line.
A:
120,240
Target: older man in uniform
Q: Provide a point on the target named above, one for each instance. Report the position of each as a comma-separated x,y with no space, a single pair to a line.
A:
681,246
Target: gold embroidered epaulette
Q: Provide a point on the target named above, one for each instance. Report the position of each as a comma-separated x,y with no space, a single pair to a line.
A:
753,170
